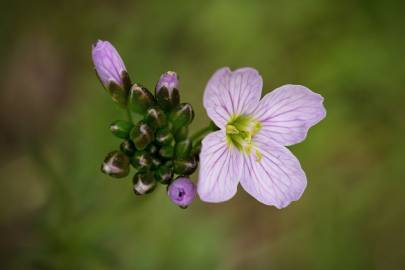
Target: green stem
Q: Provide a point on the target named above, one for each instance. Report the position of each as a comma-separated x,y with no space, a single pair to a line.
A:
129,114
197,137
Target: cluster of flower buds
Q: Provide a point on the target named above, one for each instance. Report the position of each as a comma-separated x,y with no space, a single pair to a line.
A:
157,147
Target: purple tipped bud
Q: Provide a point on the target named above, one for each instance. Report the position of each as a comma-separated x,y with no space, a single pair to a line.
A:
108,63
167,91
169,80
182,192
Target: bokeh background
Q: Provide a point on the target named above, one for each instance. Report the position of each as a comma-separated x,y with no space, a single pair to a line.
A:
58,211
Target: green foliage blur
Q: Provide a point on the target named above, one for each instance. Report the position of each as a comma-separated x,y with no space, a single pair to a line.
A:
58,211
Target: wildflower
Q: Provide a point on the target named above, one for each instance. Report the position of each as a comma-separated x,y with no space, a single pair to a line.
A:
250,147
182,192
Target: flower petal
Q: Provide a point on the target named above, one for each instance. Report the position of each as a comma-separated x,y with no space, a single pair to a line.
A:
288,112
220,169
229,93
275,177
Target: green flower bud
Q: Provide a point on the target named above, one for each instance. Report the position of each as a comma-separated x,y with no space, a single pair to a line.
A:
169,163
143,183
164,174
183,149
164,136
121,128
152,149
142,135
166,151
140,99
182,116
181,134
128,147
166,91
116,164
185,166
155,117
141,161
155,163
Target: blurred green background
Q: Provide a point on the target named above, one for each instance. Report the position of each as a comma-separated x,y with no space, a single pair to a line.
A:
58,211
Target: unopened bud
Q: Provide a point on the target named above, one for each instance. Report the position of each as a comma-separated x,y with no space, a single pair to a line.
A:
140,99
141,161
116,164
152,149
121,128
155,117
167,91
181,134
182,116
185,166
128,147
167,151
143,183
142,135
164,174
111,70
182,192
164,136
155,163
183,149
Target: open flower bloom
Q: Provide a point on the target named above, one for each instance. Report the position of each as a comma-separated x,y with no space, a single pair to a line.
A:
250,147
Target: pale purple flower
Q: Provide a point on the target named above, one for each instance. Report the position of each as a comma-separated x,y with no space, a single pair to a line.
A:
169,80
182,191
108,63
250,147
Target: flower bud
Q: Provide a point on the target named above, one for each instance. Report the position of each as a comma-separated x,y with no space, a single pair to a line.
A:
166,151
141,161
164,174
183,149
182,116
155,117
121,128
181,134
169,163
182,192
128,147
116,164
142,135
167,91
155,163
111,70
185,166
152,149
164,136
143,183
140,99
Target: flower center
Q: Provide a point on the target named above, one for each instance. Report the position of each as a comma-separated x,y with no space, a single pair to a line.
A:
239,132
180,194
